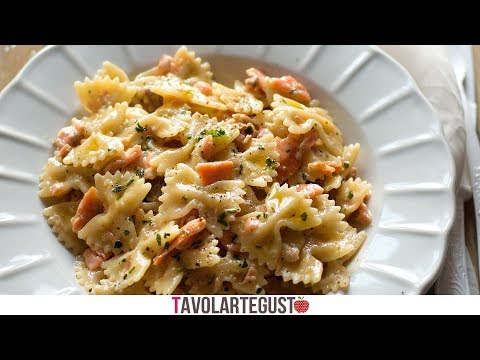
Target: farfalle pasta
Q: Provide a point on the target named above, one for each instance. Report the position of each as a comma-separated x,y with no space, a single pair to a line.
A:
173,183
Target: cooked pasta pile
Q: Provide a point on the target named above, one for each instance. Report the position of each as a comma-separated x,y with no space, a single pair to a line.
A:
176,184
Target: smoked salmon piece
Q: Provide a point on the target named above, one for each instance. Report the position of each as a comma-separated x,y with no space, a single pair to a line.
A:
291,150
309,190
362,215
131,155
205,88
187,234
289,87
214,171
286,86
93,259
319,169
89,207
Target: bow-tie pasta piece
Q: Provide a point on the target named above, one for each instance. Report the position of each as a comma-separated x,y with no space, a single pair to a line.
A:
237,101
296,262
102,92
259,233
217,203
256,166
336,277
58,179
108,121
126,269
229,275
171,86
300,120
165,278
170,157
59,217
112,230
97,150
184,64
166,121
112,71
93,281
352,194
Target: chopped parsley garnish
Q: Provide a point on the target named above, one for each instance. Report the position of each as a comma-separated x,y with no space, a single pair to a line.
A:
258,291
180,269
221,218
258,216
139,172
184,198
130,271
261,147
159,240
223,215
188,136
304,216
167,245
125,276
118,244
217,132
130,218
241,169
139,128
166,235
117,188
149,222
130,181
304,176
126,232
214,132
350,195
265,215
270,161
244,264
249,130
123,260
346,164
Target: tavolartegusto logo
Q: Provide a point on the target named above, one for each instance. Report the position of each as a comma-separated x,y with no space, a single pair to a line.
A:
235,305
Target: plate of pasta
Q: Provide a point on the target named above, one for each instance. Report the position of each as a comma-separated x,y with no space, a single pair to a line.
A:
220,170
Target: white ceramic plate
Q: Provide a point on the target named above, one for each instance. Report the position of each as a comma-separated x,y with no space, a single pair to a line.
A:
373,99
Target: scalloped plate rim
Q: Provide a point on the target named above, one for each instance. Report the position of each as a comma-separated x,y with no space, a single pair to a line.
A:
428,281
